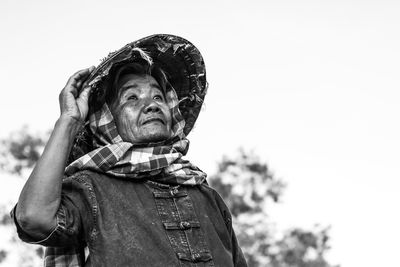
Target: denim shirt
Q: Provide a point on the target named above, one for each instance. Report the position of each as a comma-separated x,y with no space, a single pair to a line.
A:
126,223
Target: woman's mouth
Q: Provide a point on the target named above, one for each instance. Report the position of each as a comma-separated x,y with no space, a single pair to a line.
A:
151,120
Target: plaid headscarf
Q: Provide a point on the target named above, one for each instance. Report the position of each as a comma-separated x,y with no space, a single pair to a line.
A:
160,161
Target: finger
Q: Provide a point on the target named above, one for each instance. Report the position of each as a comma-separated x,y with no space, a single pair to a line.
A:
82,83
91,69
69,90
85,83
79,75
78,84
84,95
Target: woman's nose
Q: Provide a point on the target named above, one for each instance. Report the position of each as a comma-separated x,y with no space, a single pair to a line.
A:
151,106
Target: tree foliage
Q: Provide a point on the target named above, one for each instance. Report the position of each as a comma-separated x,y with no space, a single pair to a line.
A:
18,154
21,150
249,188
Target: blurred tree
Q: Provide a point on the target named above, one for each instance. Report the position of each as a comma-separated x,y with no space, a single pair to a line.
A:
3,255
18,154
245,183
21,150
249,188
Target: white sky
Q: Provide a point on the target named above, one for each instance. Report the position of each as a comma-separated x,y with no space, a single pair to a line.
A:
312,86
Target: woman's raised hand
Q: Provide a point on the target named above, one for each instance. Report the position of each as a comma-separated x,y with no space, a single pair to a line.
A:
75,95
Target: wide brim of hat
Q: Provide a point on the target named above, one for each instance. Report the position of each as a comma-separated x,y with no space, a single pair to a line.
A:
178,57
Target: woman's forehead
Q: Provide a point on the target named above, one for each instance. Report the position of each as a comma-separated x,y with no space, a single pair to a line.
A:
137,81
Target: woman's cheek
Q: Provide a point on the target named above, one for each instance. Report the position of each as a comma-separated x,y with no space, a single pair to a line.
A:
126,122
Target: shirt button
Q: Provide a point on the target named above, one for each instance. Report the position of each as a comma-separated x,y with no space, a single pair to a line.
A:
174,191
196,256
184,225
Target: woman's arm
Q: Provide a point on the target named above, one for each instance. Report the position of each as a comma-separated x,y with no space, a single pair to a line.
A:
41,196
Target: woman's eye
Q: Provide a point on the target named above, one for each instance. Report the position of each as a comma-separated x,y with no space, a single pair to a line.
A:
158,97
132,97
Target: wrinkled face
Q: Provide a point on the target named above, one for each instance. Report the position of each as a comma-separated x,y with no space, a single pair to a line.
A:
140,111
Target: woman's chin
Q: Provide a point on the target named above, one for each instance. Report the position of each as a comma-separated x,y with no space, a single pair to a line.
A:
149,137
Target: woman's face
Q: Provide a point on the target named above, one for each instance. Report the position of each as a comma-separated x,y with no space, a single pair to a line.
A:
140,110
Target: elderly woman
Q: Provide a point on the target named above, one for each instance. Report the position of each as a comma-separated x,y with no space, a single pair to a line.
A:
113,189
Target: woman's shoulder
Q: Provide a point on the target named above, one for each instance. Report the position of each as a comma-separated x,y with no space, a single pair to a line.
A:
85,177
210,194
205,187
83,181
80,175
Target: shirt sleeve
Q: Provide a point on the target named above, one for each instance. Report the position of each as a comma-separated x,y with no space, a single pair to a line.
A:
64,257
238,257
74,217
237,254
